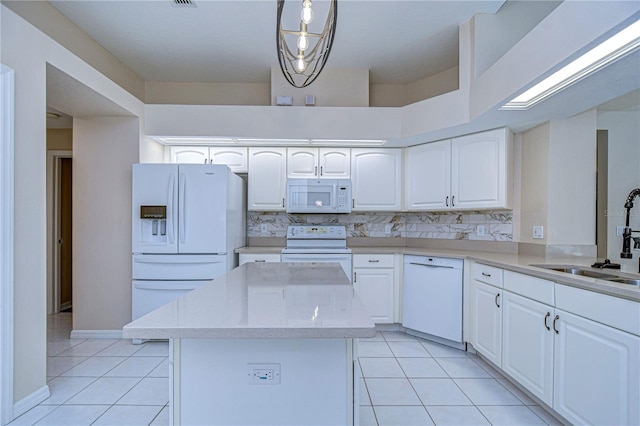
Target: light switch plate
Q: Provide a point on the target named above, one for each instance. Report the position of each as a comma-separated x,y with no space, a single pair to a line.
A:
387,228
619,230
480,230
538,232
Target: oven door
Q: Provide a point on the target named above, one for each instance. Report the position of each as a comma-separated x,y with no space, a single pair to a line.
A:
343,259
312,196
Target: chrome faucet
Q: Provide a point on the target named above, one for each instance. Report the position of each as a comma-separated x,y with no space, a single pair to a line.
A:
626,235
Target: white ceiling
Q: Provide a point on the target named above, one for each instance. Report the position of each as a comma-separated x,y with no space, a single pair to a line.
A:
234,41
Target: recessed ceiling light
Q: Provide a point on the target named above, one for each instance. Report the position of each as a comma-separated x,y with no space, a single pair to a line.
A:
612,49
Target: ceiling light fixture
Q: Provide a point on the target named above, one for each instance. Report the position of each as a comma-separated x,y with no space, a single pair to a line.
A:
612,49
302,65
53,116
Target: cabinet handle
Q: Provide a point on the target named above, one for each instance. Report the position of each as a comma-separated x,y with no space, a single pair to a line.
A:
321,171
497,297
355,277
374,260
484,274
554,324
353,203
545,321
283,202
453,201
205,161
316,171
446,202
259,260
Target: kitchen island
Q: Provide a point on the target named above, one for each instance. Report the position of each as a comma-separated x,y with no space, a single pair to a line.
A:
268,343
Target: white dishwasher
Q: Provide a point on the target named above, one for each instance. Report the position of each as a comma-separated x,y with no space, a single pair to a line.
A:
432,296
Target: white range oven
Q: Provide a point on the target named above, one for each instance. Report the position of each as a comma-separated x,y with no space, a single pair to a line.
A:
318,243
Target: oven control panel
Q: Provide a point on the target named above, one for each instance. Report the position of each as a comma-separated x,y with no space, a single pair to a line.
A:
316,232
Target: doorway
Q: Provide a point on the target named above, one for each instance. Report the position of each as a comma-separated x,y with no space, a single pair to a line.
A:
61,234
65,235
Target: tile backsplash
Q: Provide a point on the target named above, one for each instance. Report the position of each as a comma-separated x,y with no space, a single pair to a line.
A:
498,225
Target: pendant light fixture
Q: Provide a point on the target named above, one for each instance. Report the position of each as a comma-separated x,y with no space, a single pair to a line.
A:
302,64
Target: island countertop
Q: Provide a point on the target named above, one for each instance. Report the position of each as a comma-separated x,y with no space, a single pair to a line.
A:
260,301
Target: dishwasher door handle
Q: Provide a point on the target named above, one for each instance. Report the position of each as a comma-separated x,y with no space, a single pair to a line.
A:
430,266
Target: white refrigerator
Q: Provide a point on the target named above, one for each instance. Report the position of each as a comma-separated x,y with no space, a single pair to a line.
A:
187,221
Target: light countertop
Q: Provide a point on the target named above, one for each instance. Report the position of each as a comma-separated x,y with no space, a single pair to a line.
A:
511,261
263,300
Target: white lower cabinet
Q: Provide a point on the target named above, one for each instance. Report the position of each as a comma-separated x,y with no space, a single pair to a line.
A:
585,364
258,257
486,335
373,280
527,344
597,373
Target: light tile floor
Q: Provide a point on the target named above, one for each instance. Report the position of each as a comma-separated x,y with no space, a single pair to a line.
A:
405,381
409,381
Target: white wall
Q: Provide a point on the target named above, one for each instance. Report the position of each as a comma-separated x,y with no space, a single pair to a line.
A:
624,175
572,180
200,93
104,148
534,155
28,50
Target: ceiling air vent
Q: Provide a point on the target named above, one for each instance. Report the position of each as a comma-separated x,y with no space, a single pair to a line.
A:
183,3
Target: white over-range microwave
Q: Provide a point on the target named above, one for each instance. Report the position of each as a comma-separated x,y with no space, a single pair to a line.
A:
318,195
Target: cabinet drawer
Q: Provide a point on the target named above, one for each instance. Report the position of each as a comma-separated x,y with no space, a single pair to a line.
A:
487,274
613,311
531,287
373,261
259,257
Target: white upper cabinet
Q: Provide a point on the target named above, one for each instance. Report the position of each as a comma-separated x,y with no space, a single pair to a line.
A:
335,163
318,163
469,172
267,179
376,179
428,176
234,157
190,154
480,170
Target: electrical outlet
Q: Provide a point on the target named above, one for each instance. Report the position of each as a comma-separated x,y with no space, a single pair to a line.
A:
538,232
263,228
263,374
619,230
480,230
387,228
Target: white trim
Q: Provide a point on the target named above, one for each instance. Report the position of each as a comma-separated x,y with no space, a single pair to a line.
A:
96,334
30,401
53,228
7,409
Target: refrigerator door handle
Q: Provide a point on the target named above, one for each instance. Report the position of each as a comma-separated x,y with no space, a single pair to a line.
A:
181,200
171,232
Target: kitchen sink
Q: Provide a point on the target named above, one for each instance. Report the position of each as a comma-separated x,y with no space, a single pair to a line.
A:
578,271
630,281
585,272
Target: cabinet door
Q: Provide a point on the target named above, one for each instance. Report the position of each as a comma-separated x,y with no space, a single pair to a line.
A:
267,179
335,163
597,373
428,176
302,163
375,288
479,170
190,154
235,158
376,179
486,329
527,344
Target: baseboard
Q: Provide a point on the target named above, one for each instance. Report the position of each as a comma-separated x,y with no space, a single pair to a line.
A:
30,401
96,334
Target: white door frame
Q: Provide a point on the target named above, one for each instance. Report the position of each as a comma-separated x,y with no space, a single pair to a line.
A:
6,242
53,203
